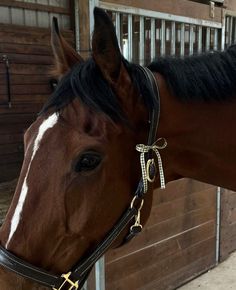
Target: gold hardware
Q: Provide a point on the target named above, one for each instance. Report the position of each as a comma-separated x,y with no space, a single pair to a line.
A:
73,285
148,166
137,216
137,222
133,202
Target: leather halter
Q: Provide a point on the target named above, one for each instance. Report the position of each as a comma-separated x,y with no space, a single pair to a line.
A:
78,275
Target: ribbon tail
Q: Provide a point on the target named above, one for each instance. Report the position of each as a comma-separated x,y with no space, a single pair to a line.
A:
161,171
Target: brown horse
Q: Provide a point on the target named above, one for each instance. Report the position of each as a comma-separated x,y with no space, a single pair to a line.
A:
81,168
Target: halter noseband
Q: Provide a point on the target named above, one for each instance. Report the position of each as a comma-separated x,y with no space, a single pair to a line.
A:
75,279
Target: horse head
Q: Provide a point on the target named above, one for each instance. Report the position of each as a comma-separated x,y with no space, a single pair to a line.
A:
80,168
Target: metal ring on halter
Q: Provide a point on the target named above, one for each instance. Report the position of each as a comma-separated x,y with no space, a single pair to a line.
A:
150,163
136,198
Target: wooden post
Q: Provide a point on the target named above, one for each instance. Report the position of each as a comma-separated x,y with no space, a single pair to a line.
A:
84,28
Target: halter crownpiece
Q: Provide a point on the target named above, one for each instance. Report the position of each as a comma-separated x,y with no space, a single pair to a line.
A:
148,167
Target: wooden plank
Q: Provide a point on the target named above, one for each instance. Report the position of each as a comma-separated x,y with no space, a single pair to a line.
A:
84,28
9,171
160,269
230,4
178,189
29,89
29,98
150,255
135,260
26,69
35,7
29,37
11,148
228,223
30,59
30,49
11,138
176,7
16,118
21,108
183,275
14,128
180,206
11,159
26,79
167,229
67,33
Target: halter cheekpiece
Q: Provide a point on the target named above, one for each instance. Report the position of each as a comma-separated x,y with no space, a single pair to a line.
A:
74,280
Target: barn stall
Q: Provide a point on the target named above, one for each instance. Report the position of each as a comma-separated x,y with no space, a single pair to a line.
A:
192,225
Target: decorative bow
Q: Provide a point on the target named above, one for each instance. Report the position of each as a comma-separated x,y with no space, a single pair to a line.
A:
145,166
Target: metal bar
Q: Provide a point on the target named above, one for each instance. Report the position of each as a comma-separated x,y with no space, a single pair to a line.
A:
163,37
215,39
191,39
208,38
218,222
153,39
234,27
92,5
130,37
173,38
85,287
157,14
100,274
77,34
182,39
234,31
230,32
141,40
227,30
118,27
223,40
199,42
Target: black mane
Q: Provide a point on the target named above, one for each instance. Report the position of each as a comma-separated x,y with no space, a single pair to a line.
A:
86,82
208,77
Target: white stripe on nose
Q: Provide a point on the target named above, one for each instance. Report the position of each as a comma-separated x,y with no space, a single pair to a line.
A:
47,124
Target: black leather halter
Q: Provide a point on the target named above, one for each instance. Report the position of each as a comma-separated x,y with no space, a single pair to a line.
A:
78,275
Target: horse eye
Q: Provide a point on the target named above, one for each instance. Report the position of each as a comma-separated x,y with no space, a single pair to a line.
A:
87,162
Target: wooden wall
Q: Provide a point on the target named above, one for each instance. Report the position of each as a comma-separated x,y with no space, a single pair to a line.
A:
177,243
30,57
228,223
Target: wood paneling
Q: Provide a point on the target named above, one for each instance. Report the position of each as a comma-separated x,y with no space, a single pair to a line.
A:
228,223
34,6
177,241
31,61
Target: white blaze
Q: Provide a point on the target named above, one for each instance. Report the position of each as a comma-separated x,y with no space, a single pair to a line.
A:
47,124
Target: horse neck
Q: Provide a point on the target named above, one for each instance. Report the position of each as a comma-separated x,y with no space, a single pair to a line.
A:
201,139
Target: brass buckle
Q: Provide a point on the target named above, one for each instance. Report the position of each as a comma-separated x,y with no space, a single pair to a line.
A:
72,285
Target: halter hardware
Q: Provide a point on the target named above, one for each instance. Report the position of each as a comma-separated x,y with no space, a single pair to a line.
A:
151,165
72,285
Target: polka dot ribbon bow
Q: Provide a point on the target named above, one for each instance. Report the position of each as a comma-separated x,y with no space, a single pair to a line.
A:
149,167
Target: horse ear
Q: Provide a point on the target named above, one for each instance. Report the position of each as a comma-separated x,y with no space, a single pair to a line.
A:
65,55
105,48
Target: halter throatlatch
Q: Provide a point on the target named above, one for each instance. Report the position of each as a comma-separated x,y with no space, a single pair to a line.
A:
75,279
148,167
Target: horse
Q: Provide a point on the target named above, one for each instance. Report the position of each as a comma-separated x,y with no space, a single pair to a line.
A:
81,190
